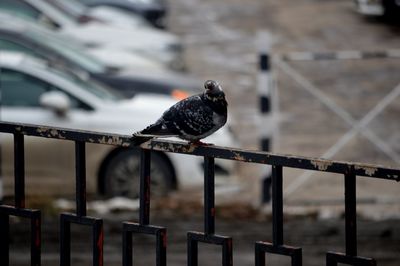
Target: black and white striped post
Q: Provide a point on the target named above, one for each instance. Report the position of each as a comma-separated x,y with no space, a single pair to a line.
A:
1,161
265,92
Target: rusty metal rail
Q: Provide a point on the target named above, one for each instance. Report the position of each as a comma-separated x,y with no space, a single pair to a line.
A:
347,169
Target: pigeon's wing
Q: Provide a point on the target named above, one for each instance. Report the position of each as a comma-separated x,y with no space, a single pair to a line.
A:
189,117
158,129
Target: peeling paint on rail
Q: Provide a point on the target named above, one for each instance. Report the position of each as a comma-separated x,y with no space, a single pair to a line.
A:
239,157
369,170
321,165
50,132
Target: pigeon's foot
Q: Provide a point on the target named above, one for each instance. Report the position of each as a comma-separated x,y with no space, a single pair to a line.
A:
200,143
135,134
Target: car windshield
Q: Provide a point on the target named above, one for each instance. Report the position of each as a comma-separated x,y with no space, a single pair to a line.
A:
64,9
73,54
73,8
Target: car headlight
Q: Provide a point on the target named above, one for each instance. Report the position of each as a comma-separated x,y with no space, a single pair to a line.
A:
178,94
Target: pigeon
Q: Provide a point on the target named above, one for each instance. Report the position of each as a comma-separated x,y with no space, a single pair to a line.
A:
191,119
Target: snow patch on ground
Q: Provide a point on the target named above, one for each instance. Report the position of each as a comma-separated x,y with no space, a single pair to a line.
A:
101,206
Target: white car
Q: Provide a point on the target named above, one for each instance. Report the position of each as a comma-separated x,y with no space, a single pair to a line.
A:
36,94
110,58
151,43
117,59
110,15
118,17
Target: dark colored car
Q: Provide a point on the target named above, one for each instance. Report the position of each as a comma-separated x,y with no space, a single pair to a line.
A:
152,10
392,8
47,45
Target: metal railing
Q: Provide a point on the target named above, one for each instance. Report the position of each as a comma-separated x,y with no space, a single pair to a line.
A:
349,170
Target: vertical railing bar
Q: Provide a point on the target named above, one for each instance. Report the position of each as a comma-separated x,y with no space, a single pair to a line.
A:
80,165
19,170
127,248
192,252
330,261
4,240
36,239
259,256
65,243
209,195
98,239
161,252
227,258
144,214
297,258
277,205
350,214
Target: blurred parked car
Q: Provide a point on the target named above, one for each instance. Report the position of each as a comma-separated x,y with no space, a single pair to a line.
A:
34,93
153,10
106,14
155,44
111,58
23,37
387,8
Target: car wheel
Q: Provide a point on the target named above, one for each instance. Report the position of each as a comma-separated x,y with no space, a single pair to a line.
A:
122,175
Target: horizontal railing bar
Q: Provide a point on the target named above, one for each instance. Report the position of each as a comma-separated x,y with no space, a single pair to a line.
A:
142,229
82,220
20,212
66,134
300,162
208,238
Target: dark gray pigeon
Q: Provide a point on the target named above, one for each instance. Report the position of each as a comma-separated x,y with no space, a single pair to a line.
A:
191,119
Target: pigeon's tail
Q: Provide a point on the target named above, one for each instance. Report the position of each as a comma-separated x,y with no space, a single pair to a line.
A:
145,134
154,129
138,139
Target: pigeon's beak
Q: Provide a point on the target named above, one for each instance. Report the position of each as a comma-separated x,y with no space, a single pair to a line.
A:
214,89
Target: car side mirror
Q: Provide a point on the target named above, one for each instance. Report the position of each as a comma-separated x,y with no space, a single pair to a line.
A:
56,101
